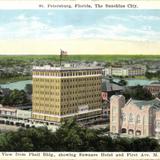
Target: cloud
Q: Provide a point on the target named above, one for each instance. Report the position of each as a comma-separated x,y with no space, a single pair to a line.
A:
50,14
23,26
141,17
20,17
23,17
116,18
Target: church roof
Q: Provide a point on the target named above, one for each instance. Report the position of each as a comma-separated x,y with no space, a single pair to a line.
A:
151,103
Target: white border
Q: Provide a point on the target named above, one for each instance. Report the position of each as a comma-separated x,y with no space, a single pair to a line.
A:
80,155
83,4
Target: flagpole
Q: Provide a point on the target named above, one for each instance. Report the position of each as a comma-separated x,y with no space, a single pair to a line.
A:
62,53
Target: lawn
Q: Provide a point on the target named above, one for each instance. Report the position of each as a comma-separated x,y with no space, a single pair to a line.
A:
108,58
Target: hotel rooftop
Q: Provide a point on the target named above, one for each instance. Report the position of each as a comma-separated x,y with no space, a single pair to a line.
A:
50,68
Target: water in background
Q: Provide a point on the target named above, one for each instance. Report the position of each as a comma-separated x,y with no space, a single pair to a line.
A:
131,82
16,85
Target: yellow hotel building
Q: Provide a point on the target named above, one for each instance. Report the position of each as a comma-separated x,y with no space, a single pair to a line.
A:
60,93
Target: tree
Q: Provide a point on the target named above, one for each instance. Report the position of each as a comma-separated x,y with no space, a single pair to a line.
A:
15,97
138,92
18,97
158,75
149,75
144,144
122,144
105,144
68,136
28,89
71,137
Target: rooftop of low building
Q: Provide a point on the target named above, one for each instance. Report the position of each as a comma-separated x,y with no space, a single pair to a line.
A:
154,84
108,86
127,66
7,108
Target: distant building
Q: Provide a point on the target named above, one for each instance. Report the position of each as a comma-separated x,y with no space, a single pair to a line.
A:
23,114
154,88
1,72
4,91
153,70
108,89
125,71
64,92
135,118
13,112
105,110
7,111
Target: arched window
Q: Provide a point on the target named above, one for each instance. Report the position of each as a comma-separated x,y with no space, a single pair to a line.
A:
157,124
145,120
130,117
123,130
123,116
138,119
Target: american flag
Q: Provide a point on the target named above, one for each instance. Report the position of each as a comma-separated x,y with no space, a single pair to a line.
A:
63,53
